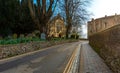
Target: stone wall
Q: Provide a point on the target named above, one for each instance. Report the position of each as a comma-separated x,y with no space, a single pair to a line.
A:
11,50
107,44
17,49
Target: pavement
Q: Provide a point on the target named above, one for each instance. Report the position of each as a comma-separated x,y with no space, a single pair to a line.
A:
52,60
90,61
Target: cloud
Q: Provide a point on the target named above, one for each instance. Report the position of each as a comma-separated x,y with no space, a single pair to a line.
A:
100,8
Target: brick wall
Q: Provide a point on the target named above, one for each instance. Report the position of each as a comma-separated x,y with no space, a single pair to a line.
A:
107,44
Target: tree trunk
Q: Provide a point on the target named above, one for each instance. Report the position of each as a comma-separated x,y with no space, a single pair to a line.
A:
68,30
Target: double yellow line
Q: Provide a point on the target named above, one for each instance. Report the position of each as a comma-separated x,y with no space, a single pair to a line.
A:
69,64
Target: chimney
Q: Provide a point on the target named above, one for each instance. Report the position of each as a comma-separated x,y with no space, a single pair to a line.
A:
105,16
92,19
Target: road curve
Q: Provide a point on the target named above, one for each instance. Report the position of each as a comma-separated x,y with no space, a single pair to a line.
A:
52,60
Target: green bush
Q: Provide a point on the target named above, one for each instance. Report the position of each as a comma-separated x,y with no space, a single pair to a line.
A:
19,40
74,36
23,39
77,36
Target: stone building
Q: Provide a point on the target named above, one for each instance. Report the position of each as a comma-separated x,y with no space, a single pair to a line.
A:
57,27
101,24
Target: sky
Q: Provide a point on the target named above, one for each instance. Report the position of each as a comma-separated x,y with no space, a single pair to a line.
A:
84,31
100,8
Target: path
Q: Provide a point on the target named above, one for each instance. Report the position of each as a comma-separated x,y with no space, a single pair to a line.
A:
91,62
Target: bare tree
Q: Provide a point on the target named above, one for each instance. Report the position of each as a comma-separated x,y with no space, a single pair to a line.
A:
41,12
74,12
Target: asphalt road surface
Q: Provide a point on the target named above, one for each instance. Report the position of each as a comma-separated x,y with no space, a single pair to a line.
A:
52,60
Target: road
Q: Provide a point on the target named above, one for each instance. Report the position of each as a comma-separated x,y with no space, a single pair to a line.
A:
52,60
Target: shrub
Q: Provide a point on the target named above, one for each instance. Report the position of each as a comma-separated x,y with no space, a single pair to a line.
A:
73,36
77,36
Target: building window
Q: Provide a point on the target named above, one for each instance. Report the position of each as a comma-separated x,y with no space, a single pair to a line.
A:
105,24
96,28
58,28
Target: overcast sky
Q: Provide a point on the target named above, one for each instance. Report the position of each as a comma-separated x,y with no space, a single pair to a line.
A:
100,8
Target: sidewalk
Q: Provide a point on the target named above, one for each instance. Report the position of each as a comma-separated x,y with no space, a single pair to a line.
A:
90,62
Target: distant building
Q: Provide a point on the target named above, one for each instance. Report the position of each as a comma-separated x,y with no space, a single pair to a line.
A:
101,24
57,27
